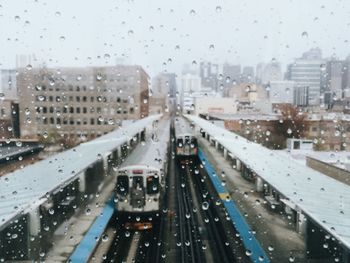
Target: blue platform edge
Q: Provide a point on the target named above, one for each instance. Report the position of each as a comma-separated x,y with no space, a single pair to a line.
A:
86,247
251,244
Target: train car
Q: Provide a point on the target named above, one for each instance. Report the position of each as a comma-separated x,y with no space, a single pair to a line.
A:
186,142
141,180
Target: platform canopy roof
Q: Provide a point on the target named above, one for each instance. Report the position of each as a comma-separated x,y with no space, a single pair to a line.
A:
26,188
323,199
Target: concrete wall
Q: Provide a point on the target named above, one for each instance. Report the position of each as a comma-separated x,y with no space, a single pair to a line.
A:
206,105
330,170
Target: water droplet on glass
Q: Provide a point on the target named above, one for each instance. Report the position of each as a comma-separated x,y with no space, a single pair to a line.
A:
304,34
192,12
205,205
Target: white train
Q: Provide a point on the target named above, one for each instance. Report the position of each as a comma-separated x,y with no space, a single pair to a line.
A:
186,141
141,178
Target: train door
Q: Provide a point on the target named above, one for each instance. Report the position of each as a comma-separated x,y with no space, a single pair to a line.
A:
137,194
187,145
179,146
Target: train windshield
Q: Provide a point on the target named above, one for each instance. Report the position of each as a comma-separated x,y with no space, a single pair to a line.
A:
194,143
187,140
152,185
123,185
137,182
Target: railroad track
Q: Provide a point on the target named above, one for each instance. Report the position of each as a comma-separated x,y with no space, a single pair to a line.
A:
219,245
189,240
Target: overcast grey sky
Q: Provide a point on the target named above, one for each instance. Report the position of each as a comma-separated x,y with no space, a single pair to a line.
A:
154,32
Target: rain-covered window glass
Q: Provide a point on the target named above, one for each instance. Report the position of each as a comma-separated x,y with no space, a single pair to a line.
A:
152,185
123,185
175,131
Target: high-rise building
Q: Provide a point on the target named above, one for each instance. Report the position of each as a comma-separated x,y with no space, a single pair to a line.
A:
269,72
8,86
78,102
306,72
301,96
209,75
190,83
248,74
313,54
334,74
346,77
231,73
163,89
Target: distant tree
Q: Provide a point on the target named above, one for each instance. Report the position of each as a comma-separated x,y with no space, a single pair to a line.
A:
293,122
50,137
69,141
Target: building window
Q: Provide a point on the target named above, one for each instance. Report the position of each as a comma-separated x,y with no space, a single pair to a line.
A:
58,121
77,110
52,121
44,110
84,110
132,111
84,99
92,121
98,110
70,98
91,99
78,88
51,98
77,99
71,121
71,110
118,99
51,110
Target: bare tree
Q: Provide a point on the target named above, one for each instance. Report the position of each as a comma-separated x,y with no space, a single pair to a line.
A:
293,122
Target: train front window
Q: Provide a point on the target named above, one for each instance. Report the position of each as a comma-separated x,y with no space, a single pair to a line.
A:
187,140
123,185
137,182
194,143
152,185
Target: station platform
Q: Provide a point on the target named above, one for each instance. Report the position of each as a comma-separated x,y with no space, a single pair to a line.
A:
274,231
70,234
